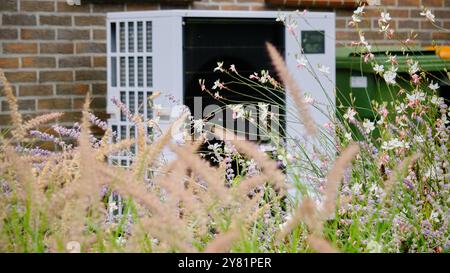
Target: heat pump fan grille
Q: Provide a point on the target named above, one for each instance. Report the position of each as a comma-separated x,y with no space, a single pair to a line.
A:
130,80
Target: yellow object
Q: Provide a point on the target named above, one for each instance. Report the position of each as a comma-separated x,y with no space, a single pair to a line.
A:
442,51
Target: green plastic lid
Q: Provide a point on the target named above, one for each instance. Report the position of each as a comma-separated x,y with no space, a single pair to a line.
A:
351,58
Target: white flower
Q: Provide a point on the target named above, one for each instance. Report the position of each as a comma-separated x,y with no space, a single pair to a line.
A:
359,10
238,110
374,247
373,2
350,115
385,17
356,188
378,68
281,18
390,75
198,125
400,108
362,39
219,67
416,96
414,68
419,139
348,136
427,13
434,216
113,206
120,240
394,144
302,62
368,126
437,100
218,84
309,99
324,69
433,86
264,76
291,27
263,111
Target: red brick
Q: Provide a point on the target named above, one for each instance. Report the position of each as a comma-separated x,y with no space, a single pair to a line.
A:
74,34
55,76
440,36
341,23
24,105
19,48
103,8
75,61
246,1
395,13
347,35
35,90
260,8
37,34
34,6
233,7
91,48
9,62
96,103
205,6
100,61
414,3
19,19
53,20
38,62
55,48
21,76
8,33
429,25
99,34
71,117
410,24
8,5
55,103
99,89
387,2
72,89
5,119
90,75
433,3
142,6
90,20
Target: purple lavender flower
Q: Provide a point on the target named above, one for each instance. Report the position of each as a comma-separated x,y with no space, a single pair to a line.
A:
49,137
122,108
67,132
98,122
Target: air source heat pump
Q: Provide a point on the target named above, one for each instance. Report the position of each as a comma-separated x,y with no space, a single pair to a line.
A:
169,51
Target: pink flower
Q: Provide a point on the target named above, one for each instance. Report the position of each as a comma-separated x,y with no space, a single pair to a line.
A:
368,56
202,84
393,60
416,79
254,76
218,84
233,68
328,126
291,28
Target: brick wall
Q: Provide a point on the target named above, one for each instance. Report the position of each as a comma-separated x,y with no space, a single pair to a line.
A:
54,53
